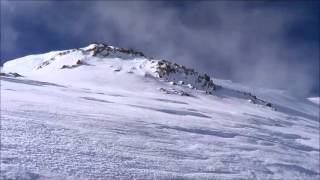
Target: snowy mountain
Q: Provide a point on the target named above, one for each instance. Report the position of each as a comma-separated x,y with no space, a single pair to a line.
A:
107,59
102,112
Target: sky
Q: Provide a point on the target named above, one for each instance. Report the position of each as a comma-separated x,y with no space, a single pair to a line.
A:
260,43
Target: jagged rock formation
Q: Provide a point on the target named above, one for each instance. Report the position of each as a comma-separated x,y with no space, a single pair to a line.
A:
101,49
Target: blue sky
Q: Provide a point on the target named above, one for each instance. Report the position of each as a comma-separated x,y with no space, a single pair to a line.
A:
261,43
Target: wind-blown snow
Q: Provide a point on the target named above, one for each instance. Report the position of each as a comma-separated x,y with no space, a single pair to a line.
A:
114,118
315,100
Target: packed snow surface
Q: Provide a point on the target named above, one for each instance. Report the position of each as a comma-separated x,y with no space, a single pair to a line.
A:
102,112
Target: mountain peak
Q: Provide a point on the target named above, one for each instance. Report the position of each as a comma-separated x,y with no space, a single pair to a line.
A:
113,59
106,65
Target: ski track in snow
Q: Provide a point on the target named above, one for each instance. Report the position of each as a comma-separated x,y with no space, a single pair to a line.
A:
52,131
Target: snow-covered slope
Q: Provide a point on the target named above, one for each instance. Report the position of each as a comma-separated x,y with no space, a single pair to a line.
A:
102,112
